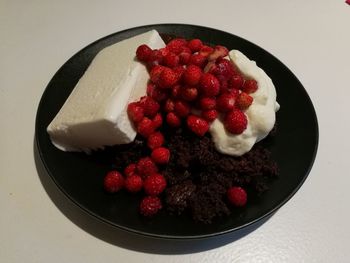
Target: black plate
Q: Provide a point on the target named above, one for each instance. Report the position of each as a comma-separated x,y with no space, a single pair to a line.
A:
79,177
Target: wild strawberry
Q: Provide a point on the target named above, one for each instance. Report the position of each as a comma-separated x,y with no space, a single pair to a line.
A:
250,86
209,115
133,183
198,60
235,121
169,105
173,120
176,45
167,78
179,71
155,140
197,125
234,92
182,108
185,57
209,84
145,167
244,101
155,73
171,60
224,68
143,53
236,81
207,103
135,112
155,58
113,182
225,102
157,120
150,89
150,107
189,93
219,52
150,205
175,92
130,169
192,75
145,127
195,45
154,184
161,155
205,51
158,94
164,51
237,196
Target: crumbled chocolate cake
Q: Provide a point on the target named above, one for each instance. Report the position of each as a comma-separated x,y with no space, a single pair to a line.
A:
198,176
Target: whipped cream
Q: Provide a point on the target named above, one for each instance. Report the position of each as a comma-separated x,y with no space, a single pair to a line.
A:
261,114
94,115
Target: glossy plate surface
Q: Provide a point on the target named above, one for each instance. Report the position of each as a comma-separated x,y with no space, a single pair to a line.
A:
79,176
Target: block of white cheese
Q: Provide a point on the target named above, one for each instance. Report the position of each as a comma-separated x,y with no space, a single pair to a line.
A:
94,115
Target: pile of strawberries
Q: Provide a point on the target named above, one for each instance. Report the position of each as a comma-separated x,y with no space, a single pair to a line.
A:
189,82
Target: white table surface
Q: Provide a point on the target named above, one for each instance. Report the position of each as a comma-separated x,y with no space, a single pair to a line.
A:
36,37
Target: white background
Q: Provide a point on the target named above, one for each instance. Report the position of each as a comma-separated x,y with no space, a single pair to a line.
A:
36,37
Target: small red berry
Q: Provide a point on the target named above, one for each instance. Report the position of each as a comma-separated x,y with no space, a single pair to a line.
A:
154,184
155,73
224,68
176,45
133,183
192,75
185,57
173,120
179,71
195,45
145,127
189,93
171,60
225,102
143,53
169,105
198,60
150,205
206,51
145,167
182,108
250,86
235,121
175,92
155,58
236,81
157,120
209,115
155,140
244,101
130,169
158,94
135,112
167,78
237,196
210,85
207,103
197,125
150,107
113,182
161,155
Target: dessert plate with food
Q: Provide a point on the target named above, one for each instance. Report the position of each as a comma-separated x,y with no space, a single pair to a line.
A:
176,131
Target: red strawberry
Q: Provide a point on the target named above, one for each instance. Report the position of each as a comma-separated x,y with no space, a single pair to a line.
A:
167,78
209,115
235,121
198,60
219,52
225,102
210,85
192,75
195,45
145,127
236,81
113,182
157,120
207,103
158,94
182,108
150,107
185,57
205,51
155,73
224,68
145,167
171,60
155,58
154,184
189,93
237,196
143,53
169,105
161,155
130,169
150,205
250,86
179,71
133,183
150,89
155,140
244,101
135,112
173,120
176,45
175,92
197,125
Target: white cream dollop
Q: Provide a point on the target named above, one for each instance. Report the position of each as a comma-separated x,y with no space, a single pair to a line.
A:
261,114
